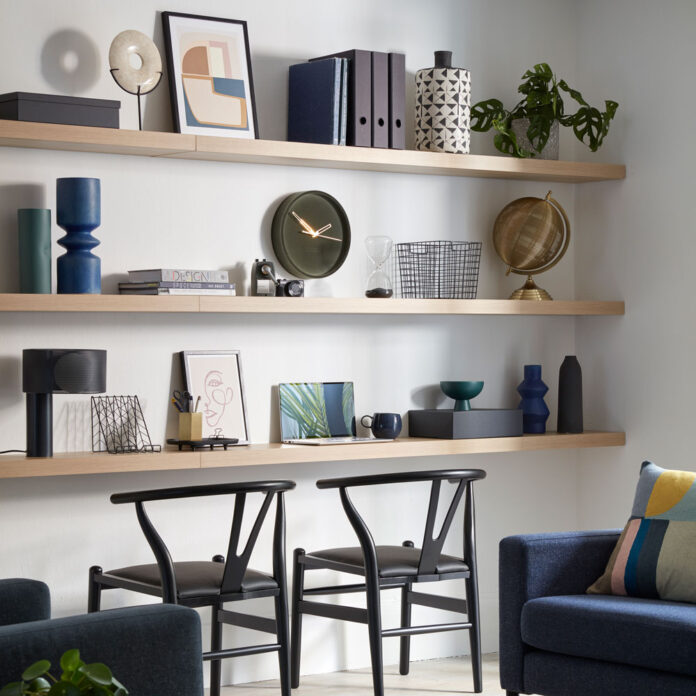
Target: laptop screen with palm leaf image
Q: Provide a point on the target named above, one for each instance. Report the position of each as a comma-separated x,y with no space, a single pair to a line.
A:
311,410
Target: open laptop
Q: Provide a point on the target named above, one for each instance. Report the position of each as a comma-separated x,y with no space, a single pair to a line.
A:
318,413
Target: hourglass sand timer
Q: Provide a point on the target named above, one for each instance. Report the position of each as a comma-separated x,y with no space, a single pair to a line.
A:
379,283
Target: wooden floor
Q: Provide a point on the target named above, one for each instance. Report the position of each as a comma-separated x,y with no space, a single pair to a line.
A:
447,677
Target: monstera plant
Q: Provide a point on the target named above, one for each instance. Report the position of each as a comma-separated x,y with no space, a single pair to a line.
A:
542,104
77,679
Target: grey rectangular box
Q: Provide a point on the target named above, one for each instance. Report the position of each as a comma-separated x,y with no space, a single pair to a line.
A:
460,425
54,108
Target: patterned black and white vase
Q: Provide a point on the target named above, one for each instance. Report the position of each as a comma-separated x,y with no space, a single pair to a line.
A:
443,107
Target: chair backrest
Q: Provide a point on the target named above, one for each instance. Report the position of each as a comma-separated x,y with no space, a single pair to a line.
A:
432,543
235,562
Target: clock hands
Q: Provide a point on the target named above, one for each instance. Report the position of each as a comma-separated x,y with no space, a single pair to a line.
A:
308,229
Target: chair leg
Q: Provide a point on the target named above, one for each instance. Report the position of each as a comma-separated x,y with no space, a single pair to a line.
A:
472,603
374,628
94,591
215,644
283,633
296,642
405,641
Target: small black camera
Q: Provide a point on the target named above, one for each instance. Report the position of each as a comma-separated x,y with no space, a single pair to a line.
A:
289,288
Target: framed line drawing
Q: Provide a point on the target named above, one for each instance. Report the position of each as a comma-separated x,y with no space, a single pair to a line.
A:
210,81
216,377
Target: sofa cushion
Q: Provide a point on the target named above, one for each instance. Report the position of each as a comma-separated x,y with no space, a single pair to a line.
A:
642,632
656,553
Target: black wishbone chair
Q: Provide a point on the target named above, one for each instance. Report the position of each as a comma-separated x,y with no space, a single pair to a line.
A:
388,567
212,583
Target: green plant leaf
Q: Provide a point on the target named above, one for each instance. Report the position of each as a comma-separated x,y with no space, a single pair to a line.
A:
40,686
539,131
62,688
573,93
70,660
120,689
540,70
98,673
12,689
588,123
484,113
38,669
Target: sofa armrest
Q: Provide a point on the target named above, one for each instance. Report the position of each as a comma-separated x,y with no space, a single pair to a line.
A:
23,600
151,649
542,565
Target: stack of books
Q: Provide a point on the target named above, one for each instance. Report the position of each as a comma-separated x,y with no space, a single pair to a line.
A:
172,281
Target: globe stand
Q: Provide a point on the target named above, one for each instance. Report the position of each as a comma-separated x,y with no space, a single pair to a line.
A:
530,291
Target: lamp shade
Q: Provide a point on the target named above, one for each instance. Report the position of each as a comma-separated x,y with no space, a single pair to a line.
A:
63,371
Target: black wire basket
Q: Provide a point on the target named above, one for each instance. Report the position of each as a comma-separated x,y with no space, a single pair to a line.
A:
118,426
441,270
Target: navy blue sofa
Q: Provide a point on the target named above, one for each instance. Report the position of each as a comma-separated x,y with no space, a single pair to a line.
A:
555,640
152,650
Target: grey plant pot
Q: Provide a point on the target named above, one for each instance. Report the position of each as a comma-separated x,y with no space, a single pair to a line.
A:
550,151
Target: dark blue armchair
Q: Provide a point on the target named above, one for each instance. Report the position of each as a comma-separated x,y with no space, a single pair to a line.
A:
153,649
555,640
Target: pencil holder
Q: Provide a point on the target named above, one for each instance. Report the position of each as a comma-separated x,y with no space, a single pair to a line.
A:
191,426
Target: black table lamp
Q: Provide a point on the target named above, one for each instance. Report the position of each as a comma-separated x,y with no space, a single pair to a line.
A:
46,372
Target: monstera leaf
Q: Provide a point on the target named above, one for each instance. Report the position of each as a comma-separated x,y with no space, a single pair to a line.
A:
485,113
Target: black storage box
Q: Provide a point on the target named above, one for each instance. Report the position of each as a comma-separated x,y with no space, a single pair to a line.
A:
460,425
54,108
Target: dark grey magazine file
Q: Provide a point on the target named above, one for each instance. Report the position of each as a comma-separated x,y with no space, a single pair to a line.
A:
380,99
397,101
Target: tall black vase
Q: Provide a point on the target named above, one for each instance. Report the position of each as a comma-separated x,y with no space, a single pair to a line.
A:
570,396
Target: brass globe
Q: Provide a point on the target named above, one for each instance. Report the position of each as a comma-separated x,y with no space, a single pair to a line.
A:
531,235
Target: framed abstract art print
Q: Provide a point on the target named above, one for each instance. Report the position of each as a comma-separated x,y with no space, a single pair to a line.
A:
215,377
210,82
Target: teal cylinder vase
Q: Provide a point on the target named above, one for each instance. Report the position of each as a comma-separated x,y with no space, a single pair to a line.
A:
78,202
34,242
535,412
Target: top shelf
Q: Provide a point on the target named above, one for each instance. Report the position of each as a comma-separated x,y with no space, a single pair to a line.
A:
49,136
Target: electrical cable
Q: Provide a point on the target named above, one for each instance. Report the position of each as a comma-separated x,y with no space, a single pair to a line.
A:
13,450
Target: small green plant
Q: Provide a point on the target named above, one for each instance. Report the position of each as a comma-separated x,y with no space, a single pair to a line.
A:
77,679
542,104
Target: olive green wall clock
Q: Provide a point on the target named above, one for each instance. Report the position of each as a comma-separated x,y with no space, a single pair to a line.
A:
310,234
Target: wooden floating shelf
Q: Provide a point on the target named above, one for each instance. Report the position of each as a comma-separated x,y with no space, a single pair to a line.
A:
12,466
49,136
211,304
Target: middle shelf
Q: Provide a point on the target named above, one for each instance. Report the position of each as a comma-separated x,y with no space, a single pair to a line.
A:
206,304
278,454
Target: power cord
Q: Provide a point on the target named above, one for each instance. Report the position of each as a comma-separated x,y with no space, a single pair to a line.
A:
9,451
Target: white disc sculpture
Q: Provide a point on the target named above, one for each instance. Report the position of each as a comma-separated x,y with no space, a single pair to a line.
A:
135,80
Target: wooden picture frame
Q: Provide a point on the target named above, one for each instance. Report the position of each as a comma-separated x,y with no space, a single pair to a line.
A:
215,376
210,80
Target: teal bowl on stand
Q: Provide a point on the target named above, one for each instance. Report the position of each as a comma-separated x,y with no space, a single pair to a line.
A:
461,392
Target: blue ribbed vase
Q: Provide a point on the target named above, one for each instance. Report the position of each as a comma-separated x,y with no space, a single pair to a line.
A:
534,408
78,202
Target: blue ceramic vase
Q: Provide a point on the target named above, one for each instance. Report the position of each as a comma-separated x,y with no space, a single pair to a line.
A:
79,212
534,409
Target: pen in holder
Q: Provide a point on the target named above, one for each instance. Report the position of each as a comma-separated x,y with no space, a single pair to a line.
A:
191,426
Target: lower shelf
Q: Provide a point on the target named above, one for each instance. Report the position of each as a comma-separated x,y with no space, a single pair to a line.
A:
12,466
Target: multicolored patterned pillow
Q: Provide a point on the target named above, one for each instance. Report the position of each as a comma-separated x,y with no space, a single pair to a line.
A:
656,552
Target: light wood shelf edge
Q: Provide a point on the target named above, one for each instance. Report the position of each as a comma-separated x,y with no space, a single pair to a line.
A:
49,136
12,466
17,302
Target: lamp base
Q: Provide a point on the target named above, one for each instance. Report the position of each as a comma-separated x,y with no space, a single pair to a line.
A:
530,291
39,425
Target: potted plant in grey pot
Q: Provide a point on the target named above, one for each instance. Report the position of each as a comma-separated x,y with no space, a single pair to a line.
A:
530,129
76,679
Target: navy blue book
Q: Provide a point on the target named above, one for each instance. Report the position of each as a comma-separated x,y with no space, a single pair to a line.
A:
315,101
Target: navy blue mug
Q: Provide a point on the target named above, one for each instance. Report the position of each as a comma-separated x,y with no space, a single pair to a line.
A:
385,426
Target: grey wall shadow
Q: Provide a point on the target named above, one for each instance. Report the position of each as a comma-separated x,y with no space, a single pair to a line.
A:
176,381
13,197
54,56
238,276
110,282
274,425
270,75
10,382
428,396
157,109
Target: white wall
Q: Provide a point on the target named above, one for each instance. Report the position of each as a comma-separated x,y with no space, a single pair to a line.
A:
204,214
636,241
